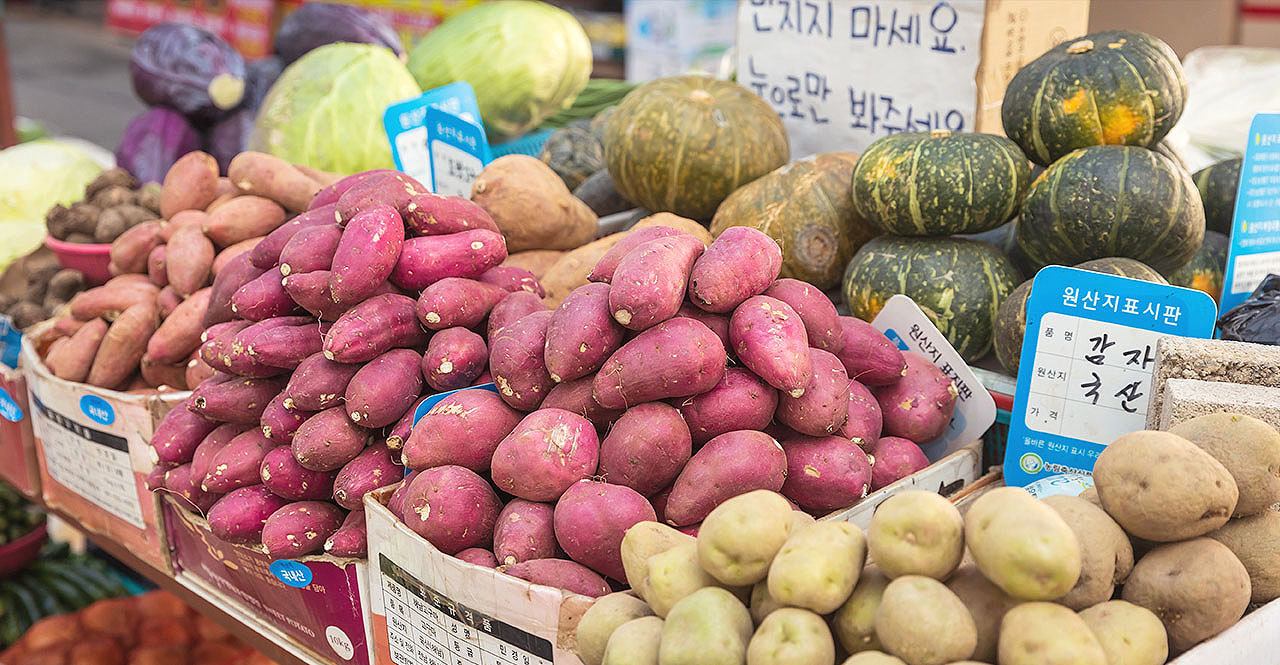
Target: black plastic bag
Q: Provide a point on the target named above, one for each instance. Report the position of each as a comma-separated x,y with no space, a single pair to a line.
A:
1257,319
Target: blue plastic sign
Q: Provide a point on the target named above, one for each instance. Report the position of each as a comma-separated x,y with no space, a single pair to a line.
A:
1254,251
1084,378
10,342
9,409
292,573
439,131
99,410
435,399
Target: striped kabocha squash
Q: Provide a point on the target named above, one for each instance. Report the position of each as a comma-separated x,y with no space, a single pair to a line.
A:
1112,201
1109,88
574,154
1218,185
1011,320
806,207
939,183
958,283
682,144
1207,267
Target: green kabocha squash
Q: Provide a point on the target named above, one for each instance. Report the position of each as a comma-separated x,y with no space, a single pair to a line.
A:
1112,201
600,121
1218,185
1109,88
684,143
1011,319
806,207
1205,272
574,154
958,283
939,183
1172,153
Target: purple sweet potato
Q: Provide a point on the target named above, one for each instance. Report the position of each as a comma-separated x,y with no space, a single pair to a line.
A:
238,463
262,298
318,383
234,399
512,308
478,556
741,400
311,291
524,531
372,328
452,508
329,195
400,431
512,279
370,470
825,473
591,518
328,440
646,448
769,338
225,284
918,407
650,281
218,439
368,251
238,517
300,528
287,346
463,429
718,323
547,452
266,254
561,574
279,422
155,478
219,334
730,464
384,388
868,356
821,321
581,334
455,357
865,420
426,260
429,214
180,482
516,361
895,459
455,301
178,435
676,358
824,406
351,540
386,188
310,249
233,356
282,474
576,397
608,263
740,263
396,503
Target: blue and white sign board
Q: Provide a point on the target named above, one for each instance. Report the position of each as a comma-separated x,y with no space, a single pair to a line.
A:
438,138
10,342
1084,378
1255,230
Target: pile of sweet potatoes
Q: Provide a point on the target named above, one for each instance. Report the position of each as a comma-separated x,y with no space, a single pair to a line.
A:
680,376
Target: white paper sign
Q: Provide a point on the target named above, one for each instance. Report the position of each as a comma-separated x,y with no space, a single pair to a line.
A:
843,73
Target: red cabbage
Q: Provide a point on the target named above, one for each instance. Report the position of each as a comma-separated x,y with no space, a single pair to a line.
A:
189,69
229,136
315,24
153,141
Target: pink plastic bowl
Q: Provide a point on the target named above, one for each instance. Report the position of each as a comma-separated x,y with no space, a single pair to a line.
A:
16,555
90,259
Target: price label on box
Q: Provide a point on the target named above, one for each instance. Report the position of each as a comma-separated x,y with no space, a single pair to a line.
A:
1254,252
438,139
1084,378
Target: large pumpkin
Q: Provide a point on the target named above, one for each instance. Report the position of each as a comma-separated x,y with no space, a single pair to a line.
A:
958,283
1218,185
807,208
1109,88
1112,201
1205,272
1011,320
939,183
684,143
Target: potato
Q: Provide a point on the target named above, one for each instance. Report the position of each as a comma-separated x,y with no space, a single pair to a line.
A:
1104,548
1039,633
854,624
1160,486
916,533
532,206
1255,540
762,604
641,542
1128,634
791,636
1197,587
987,604
818,566
708,627
873,658
602,619
673,575
1022,545
571,270
1249,448
924,623
741,536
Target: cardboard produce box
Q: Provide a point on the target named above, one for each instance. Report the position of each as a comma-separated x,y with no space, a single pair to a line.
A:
947,477
18,465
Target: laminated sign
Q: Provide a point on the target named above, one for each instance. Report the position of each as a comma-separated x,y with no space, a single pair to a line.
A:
438,139
1255,230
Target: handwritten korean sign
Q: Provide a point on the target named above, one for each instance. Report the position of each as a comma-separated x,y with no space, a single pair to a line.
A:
843,73
1255,230
1084,378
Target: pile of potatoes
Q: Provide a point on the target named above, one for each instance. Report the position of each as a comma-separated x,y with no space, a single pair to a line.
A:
48,288
113,203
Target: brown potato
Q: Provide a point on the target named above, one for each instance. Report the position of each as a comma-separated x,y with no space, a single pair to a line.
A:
532,206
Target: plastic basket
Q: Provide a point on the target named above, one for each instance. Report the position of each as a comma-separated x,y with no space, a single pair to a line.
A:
529,144
995,440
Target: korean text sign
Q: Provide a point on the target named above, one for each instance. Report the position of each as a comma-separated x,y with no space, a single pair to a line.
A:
1255,230
1088,352
437,138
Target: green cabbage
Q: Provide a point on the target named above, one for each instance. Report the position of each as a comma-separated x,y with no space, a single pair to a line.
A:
325,110
526,60
34,177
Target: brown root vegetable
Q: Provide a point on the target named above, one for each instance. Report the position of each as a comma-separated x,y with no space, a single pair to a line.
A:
532,206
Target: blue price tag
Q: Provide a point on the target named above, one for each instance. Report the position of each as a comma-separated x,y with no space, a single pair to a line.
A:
9,409
292,573
1085,374
433,400
10,342
1255,231
438,138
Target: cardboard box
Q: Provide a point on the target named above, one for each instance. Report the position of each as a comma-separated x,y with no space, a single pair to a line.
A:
18,465
325,615
947,476
92,445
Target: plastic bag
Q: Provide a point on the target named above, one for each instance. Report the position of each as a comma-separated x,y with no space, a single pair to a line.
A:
1257,319
1226,87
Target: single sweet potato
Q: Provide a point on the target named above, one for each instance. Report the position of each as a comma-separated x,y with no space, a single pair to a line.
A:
824,406
516,361
192,262
237,273
272,177
278,422
157,267
328,440
391,188
318,383
167,301
266,254
237,355
234,399
311,291
463,429
242,218
769,338
741,400
825,473
66,326
524,531
178,435
676,358
728,465
179,334
238,517
396,503
366,255
868,356
577,397
372,328
646,448
581,334
455,301
429,214
111,299
300,528
547,452
455,357
202,459
312,248
287,345
329,194
918,407
512,308
478,556
123,346
512,279
718,323
163,375
650,282
180,482
608,263
561,574
381,391
72,360
351,540
865,420
237,464
590,520
740,263
821,321
282,474
190,184
197,370
426,260
531,205
452,508
895,459
370,470
262,298
224,257
399,432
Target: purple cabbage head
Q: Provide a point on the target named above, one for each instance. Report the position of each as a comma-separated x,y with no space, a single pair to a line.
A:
315,24
189,69
229,136
153,141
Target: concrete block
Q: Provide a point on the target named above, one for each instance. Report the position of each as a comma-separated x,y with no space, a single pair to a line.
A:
1210,360
1185,399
